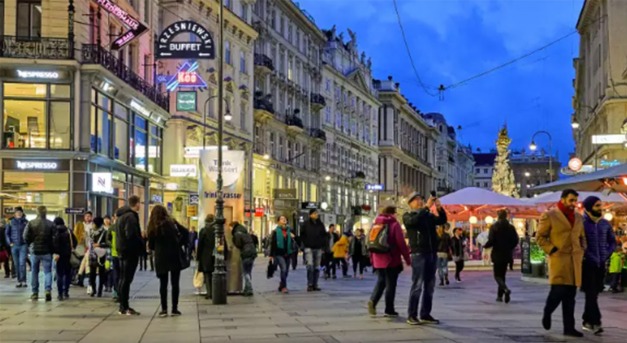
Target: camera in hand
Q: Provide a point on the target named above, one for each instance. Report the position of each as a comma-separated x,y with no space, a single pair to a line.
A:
433,194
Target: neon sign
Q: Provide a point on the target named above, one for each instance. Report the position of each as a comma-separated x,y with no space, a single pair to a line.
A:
137,28
203,49
186,77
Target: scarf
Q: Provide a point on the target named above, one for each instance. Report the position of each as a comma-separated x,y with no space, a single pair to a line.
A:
570,214
282,236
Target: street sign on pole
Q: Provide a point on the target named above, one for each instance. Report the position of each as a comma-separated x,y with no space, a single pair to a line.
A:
194,199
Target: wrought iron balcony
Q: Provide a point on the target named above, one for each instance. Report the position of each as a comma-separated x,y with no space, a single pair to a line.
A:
94,54
292,120
318,99
36,47
263,106
318,134
264,61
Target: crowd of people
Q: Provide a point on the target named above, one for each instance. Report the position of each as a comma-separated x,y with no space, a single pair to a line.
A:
581,250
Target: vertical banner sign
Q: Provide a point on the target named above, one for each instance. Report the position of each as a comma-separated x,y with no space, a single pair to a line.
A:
136,28
233,163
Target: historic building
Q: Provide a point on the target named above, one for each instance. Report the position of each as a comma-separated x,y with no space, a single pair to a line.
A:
600,102
288,139
193,88
350,123
484,168
532,169
406,146
82,119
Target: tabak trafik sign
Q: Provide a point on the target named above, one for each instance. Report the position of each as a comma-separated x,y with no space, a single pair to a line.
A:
136,28
169,47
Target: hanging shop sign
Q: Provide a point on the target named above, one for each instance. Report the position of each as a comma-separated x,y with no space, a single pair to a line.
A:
609,139
192,210
75,210
186,77
575,164
136,28
36,165
102,183
194,199
186,101
183,170
203,48
310,205
370,187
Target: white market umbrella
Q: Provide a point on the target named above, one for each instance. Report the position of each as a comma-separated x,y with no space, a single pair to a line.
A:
614,178
472,196
554,197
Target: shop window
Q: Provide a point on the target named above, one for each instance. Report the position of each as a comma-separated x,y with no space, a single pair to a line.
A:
101,124
48,181
227,52
28,19
140,142
154,150
36,116
121,140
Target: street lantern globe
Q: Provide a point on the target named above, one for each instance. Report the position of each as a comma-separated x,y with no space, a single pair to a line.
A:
266,156
327,178
608,216
472,220
489,220
527,174
574,124
228,116
324,205
533,146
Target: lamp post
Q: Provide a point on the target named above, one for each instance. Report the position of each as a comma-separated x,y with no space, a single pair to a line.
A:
534,147
227,116
219,273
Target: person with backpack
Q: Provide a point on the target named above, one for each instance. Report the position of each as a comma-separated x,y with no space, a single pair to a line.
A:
387,246
248,252
64,242
421,225
313,237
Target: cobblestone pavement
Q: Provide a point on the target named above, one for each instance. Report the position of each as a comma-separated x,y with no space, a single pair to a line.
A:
337,314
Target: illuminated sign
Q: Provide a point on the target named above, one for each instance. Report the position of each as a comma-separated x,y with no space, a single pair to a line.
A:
186,101
575,164
201,49
609,139
136,27
183,170
186,77
37,165
139,108
37,74
370,187
102,183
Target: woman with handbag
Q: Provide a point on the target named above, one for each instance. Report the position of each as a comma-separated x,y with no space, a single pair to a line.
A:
98,256
80,250
167,240
458,253
63,242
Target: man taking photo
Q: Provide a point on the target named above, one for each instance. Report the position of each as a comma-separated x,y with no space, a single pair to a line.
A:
129,246
421,224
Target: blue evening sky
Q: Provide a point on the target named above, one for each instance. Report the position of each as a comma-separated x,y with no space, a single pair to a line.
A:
452,40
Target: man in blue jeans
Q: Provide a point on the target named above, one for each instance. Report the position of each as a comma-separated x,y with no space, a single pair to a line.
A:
39,235
19,248
421,224
313,237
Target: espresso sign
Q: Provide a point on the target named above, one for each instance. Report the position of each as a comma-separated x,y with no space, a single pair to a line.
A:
135,26
167,47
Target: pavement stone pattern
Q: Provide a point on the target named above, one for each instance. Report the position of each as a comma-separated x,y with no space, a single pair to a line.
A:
468,312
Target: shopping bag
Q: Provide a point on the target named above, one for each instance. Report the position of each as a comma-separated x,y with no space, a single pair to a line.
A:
199,279
271,269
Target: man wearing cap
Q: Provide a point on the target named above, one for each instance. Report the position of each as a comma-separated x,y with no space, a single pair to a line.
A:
601,244
421,224
313,237
19,248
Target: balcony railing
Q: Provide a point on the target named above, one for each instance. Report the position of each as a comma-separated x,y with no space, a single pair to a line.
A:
39,47
261,102
318,99
264,61
291,120
319,134
94,54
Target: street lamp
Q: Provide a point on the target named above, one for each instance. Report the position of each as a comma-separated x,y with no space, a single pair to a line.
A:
534,147
219,273
527,174
574,124
327,178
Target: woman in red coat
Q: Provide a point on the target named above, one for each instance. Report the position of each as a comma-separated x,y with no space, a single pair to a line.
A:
388,265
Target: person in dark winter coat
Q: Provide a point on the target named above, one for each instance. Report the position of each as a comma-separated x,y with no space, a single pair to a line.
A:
38,234
19,248
444,253
601,244
167,240
205,251
358,251
313,238
244,242
98,256
330,265
6,248
64,242
458,245
282,246
503,239
129,246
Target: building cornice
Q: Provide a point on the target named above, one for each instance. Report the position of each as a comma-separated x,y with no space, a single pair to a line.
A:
344,79
289,7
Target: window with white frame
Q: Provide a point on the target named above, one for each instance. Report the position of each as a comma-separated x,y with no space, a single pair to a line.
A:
227,52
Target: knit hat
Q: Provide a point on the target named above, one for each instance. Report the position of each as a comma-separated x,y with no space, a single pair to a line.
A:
58,221
312,211
98,221
19,209
589,202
